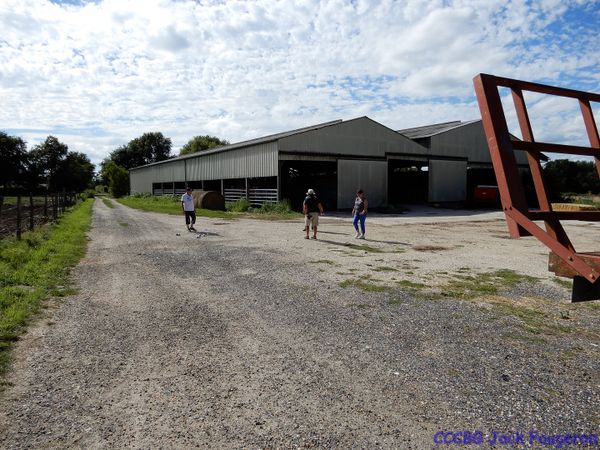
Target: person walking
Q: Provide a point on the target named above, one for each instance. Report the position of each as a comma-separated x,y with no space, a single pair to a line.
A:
361,204
187,204
312,208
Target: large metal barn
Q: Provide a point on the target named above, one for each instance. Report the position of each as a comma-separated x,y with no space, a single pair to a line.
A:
335,159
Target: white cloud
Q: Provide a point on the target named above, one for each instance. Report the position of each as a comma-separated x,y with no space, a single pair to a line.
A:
241,70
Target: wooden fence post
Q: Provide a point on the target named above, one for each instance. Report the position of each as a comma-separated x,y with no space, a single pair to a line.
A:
31,212
19,217
55,206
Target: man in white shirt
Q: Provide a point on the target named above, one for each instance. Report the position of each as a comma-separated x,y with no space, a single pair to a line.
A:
187,204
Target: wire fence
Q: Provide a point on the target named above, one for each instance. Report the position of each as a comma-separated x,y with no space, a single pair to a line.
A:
22,212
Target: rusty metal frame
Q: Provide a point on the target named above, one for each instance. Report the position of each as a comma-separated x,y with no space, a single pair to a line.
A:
564,259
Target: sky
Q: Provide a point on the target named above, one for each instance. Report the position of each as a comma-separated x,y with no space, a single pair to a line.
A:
97,74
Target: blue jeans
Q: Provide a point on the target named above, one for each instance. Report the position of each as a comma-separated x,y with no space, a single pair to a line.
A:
361,218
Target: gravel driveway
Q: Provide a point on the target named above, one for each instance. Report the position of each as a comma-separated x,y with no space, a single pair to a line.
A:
244,338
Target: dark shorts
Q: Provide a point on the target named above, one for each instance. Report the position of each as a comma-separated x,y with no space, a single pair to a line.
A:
190,216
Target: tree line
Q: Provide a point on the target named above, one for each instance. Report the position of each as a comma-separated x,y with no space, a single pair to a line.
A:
146,149
49,165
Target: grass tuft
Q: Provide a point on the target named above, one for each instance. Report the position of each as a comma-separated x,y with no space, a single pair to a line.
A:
108,203
366,286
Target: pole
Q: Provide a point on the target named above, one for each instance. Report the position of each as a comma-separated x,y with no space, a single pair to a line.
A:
19,217
31,212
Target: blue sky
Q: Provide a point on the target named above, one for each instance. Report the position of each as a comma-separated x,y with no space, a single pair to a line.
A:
98,74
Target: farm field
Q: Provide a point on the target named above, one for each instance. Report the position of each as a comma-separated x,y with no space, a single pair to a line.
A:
246,335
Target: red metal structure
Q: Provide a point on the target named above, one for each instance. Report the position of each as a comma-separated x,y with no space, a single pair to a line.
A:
583,267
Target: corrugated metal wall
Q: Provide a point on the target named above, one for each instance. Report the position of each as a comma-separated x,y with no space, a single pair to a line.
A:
249,162
370,176
447,181
469,142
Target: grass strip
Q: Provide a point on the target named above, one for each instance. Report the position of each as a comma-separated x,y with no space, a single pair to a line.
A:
108,203
172,205
36,268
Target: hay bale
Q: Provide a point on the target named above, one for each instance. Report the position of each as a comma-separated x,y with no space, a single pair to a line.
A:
572,207
209,200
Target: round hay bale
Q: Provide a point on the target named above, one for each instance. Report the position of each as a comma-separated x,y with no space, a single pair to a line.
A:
209,200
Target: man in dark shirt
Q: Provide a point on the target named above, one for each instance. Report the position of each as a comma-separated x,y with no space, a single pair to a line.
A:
312,208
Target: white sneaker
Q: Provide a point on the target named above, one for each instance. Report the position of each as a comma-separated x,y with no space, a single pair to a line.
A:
362,236
357,235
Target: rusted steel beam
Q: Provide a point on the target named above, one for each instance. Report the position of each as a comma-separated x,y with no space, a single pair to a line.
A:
541,88
555,148
591,128
501,150
564,260
567,254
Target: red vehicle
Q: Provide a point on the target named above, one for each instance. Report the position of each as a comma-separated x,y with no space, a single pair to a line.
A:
487,194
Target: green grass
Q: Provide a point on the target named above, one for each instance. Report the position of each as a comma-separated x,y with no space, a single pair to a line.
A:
36,268
385,269
172,205
365,247
108,203
411,284
169,205
11,201
395,301
324,261
366,286
471,286
562,282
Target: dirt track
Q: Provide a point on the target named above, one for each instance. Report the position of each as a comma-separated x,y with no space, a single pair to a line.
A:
243,339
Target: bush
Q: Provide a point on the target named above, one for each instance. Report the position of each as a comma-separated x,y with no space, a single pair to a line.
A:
241,205
282,207
88,193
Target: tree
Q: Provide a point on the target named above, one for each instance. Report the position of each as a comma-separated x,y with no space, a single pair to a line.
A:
47,157
13,155
564,176
200,143
146,149
116,177
75,173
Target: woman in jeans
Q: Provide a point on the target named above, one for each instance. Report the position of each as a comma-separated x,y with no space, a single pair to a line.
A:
361,204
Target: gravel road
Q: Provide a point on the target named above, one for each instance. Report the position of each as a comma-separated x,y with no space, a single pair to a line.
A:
243,338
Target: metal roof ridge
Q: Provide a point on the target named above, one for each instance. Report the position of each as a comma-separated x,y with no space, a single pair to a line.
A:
241,144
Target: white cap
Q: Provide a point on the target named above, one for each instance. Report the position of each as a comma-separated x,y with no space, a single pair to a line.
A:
310,192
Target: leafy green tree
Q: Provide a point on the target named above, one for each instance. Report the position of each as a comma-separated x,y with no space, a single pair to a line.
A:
146,149
46,158
75,173
116,177
13,158
565,176
200,143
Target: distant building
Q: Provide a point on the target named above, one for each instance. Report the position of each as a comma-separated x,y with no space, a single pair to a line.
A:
438,163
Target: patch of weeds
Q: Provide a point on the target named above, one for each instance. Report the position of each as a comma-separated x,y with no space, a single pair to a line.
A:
592,305
430,248
525,337
395,301
107,202
124,224
564,283
411,284
366,286
324,261
534,321
571,352
365,247
471,286
30,274
385,269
